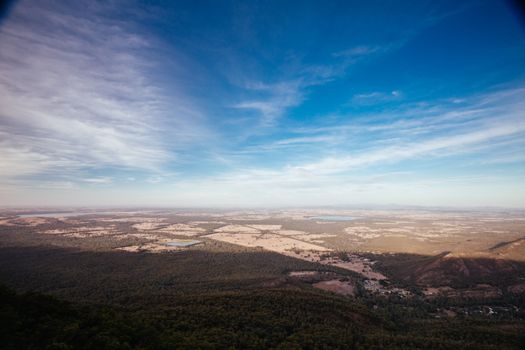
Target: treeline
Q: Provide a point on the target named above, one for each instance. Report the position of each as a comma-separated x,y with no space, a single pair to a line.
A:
268,319
118,277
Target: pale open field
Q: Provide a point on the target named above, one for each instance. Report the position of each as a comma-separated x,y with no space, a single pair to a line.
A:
296,233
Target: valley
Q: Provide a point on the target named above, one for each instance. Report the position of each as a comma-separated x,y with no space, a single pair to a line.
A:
426,266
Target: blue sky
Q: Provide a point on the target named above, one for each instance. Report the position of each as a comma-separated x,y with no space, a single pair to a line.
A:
262,103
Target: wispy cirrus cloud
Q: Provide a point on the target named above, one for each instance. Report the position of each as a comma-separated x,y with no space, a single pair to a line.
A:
398,153
491,123
358,52
100,105
276,98
376,97
99,180
77,93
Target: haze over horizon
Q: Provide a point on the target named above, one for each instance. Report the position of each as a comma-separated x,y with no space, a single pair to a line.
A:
262,104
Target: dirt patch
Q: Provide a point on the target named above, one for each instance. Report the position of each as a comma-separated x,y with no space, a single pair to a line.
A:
266,227
145,226
29,221
182,230
302,273
290,232
237,229
83,232
133,219
336,286
270,242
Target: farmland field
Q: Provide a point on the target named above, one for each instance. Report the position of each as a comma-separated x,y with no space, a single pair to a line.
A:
415,260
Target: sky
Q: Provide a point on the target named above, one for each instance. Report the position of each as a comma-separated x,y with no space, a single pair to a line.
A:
262,103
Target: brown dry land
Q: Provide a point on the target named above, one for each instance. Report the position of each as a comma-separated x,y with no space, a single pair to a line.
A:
493,235
336,286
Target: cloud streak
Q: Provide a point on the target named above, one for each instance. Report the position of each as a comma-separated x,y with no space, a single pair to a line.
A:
125,103
484,123
280,96
77,94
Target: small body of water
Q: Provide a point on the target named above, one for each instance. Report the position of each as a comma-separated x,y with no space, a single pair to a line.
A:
333,218
182,243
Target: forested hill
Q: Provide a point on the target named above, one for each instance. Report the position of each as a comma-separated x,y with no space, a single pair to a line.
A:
269,319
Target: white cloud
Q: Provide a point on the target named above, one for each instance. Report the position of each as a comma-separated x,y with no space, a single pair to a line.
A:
398,153
359,51
77,94
376,97
99,180
278,98
418,134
